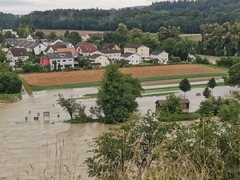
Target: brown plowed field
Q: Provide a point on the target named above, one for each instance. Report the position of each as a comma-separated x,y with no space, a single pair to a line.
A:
45,79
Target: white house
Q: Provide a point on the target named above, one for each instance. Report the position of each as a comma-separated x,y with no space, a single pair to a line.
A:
111,54
132,58
99,59
85,49
141,50
62,60
36,47
160,56
15,54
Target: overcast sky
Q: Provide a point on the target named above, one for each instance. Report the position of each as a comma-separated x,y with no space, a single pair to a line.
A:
27,6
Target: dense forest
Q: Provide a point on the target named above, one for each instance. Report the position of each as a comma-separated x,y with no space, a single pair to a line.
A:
188,15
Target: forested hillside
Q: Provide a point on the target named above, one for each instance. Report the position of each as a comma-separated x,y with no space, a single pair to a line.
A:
188,15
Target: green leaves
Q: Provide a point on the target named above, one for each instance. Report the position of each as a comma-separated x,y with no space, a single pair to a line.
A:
117,95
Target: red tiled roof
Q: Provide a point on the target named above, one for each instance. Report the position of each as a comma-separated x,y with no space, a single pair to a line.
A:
87,47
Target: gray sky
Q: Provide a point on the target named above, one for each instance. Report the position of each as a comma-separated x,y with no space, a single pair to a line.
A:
27,6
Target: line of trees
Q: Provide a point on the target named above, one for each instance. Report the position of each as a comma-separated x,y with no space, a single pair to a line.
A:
188,15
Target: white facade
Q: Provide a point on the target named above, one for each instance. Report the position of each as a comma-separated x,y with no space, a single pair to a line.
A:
63,62
103,60
132,58
39,49
162,57
111,55
141,50
13,58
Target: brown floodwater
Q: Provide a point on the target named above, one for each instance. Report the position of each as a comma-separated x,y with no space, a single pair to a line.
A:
47,147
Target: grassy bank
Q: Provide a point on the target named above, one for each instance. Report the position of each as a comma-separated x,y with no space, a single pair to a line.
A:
92,84
27,87
9,98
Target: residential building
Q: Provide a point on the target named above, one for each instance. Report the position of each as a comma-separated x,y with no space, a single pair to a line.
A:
141,50
99,60
111,54
15,54
72,50
85,49
109,46
160,56
88,36
132,58
60,60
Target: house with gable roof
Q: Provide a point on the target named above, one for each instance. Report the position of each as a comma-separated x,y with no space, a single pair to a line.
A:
88,36
132,58
160,56
61,59
111,54
141,50
99,60
109,46
15,54
85,49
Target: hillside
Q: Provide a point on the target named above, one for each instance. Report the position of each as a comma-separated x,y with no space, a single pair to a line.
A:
188,15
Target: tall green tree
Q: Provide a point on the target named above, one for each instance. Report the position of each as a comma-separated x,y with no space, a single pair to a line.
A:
2,56
168,32
234,75
52,35
40,34
10,83
117,94
212,83
206,92
185,86
74,37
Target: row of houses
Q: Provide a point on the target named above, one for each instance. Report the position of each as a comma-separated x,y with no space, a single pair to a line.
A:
65,54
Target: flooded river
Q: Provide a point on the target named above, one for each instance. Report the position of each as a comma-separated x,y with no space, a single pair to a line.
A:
30,149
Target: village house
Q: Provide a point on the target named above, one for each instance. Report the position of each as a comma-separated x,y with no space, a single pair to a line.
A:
88,36
141,50
132,58
160,56
99,60
35,47
53,48
61,60
109,46
111,54
15,54
85,49
72,50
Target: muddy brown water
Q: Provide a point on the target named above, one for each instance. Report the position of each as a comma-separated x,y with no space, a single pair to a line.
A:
38,149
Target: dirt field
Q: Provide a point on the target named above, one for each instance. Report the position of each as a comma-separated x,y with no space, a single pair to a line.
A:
44,79
61,32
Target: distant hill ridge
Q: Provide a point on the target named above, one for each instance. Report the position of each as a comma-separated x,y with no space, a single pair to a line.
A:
188,15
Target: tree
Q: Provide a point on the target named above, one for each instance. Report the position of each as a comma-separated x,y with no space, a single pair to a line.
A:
39,34
10,83
52,35
2,56
168,32
172,105
206,92
117,94
74,38
185,86
212,83
234,75
125,152
68,104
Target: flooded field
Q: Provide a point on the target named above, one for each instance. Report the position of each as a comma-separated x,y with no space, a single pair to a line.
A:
31,149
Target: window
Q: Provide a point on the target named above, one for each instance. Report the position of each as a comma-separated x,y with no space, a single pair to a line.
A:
64,60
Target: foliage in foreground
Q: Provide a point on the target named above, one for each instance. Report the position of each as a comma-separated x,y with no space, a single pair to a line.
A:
150,149
125,152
